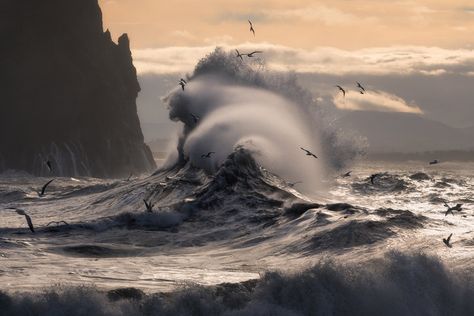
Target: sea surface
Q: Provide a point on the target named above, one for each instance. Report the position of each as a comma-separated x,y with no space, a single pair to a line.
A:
352,247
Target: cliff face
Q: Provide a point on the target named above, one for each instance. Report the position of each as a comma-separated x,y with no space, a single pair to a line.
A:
67,92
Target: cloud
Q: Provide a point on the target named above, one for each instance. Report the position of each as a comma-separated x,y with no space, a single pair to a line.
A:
326,15
399,60
374,101
184,34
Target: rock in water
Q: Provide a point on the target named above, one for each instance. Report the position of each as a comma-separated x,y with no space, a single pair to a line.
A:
67,92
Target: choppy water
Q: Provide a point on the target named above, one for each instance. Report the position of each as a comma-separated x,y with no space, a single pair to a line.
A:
353,240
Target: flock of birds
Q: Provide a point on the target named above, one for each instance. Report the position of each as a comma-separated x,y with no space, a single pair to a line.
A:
182,82
360,89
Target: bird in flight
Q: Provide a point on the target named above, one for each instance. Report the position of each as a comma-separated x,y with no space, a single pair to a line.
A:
446,241
292,184
49,165
43,189
308,153
195,118
434,162
342,90
182,83
149,206
28,218
457,207
360,87
254,52
347,174
239,55
251,28
208,155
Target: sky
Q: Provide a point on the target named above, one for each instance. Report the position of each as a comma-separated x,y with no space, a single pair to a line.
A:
413,56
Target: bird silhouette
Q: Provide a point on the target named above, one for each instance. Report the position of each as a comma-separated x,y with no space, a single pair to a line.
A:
148,205
347,174
27,217
446,240
292,184
360,86
251,28
49,165
43,189
182,84
457,207
208,155
254,52
342,90
308,153
239,55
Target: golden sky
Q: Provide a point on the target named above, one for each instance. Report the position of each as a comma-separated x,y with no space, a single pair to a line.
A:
344,24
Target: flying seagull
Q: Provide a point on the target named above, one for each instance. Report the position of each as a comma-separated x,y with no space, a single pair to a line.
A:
28,218
149,206
182,84
251,28
434,162
292,184
208,155
254,52
49,165
446,241
308,153
450,209
43,189
342,90
239,55
195,118
347,174
360,86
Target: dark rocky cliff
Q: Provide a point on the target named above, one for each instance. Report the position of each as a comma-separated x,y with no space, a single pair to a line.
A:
67,92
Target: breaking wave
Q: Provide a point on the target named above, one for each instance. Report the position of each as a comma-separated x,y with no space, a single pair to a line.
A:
398,284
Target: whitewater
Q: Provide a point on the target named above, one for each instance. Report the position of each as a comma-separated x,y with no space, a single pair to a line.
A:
235,234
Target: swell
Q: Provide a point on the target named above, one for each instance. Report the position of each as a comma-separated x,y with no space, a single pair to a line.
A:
410,284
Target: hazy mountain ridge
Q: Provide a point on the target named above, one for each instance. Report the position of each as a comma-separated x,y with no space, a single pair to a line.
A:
402,132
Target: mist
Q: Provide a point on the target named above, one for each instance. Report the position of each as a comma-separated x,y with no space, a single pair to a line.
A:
269,114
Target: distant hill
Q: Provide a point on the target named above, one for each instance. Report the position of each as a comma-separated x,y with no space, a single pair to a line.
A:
403,133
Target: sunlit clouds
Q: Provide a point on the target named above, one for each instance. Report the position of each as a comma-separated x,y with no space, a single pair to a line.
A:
403,60
374,101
